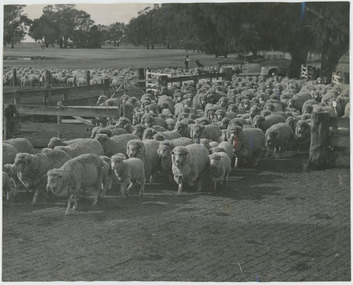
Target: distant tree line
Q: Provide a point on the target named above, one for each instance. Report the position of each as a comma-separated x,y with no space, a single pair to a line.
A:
213,28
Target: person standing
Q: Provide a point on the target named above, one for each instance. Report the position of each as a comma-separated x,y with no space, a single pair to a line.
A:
186,62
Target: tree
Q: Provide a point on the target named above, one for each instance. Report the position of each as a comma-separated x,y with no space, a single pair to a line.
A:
44,30
115,33
15,24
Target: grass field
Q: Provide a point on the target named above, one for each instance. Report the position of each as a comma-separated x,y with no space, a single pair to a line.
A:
102,58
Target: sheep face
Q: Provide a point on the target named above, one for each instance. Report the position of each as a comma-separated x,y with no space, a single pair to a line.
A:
21,163
254,111
224,123
148,122
132,149
55,142
302,131
259,121
101,99
56,183
149,133
138,130
234,137
215,161
164,150
291,122
170,125
290,103
308,109
123,123
179,158
117,163
271,139
180,127
197,132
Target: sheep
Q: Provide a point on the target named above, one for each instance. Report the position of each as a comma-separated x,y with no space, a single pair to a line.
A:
115,144
76,175
302,134
148,133
166,102
189,163
7,186
170,124
107,174
32,169
308,106
183,129
146,150
8,153
211,132
248,144
109,130
129,172
264,123
21,145
55,141
219,168
208,144
138,130
82,146
167,135
292,122
225,147
298,100
164,152
124,123
149,121
278,137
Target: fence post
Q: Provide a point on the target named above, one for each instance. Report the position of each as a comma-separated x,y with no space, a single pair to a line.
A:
14,77
47,79
88,78
319,144
228,73
106,86
141,76
9,113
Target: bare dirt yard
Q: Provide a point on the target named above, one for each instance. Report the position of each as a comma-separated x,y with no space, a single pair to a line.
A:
280,222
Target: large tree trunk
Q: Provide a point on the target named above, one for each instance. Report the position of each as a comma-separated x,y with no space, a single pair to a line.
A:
329,60
12,45
299,55
61,42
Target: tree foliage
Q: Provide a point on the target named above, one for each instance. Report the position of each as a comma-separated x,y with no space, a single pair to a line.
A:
15,24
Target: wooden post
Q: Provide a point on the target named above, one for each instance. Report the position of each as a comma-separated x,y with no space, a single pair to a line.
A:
74,83
319,144
9,113
88,77
65,98
14,77
58,120
141,76
47,79
106,86
196,80
228,73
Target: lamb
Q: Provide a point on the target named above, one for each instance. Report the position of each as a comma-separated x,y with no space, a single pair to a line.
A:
32,169
211,132
8,153
129,172
146,150
167,135
21,145
7,186
115,144
82,146
264,123
248,143
165,153
219,168
302,134
189,165
278,137
76,175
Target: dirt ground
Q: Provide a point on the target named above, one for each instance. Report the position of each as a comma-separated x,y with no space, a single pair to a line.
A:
280,222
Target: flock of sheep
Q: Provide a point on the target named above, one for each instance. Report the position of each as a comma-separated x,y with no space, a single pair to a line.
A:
188,133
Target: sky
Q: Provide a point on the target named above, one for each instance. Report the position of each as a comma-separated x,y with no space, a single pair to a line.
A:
104,14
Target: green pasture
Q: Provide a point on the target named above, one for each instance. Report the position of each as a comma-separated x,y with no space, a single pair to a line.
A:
106,58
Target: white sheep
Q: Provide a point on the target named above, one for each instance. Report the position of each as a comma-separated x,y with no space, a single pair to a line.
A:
21,145
167,135
146,150
82,146
129,172
115,144
55,141
189,165
8,154
279,137
219,168
32,169
76,175
226,147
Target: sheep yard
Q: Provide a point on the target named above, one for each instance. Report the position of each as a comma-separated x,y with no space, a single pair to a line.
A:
277,222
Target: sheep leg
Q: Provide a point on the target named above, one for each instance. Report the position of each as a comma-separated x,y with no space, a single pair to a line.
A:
75,202
35,197
128,188
142,190
69,204
180,188
236,162
122,190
